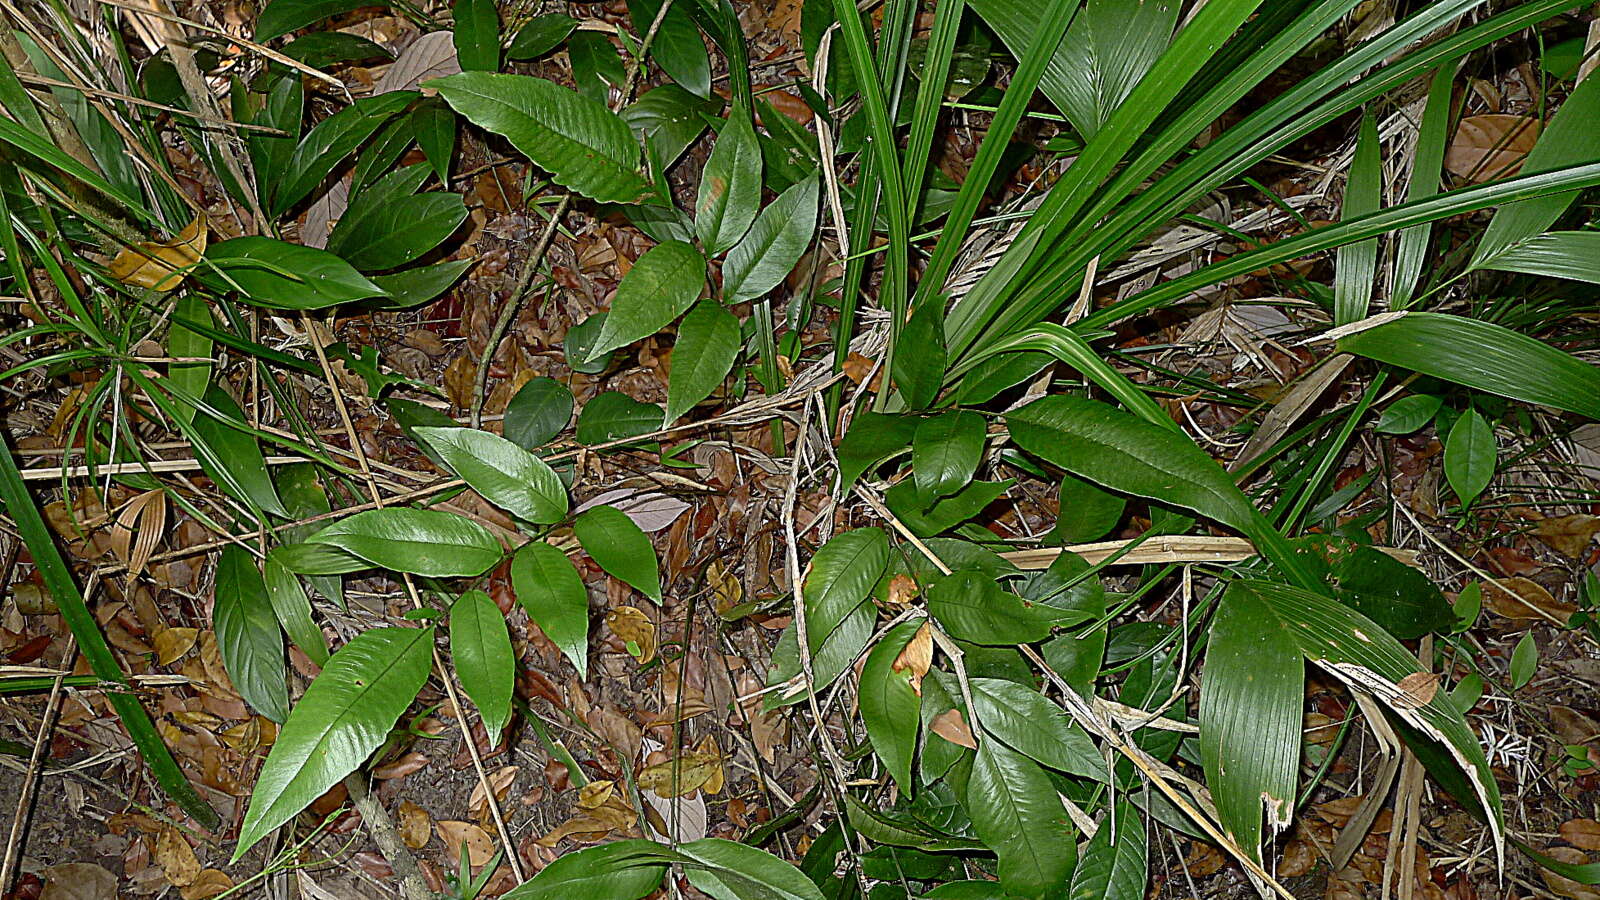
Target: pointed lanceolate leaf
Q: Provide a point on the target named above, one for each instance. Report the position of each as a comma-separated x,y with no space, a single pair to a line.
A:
583,145
1035,727
773,245
1251,694
480,647
477,35
946,451
840,578
872,438
1114,864
248,635
730,186
1356,265
538,412
428,542
662,284
505,474
614,542
1555,254
972,607
293,609
552,591
232,458
283,16
678,47
333,139
345,714
1469,456
890,707
1014,808
724,868
540,35
280,275
620,870
708,345
191,378
920,357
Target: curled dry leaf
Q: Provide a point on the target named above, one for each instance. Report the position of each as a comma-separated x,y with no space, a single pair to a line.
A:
953,727
1569,535
500,780
176,858
635,629
1532,601
416,826
917,657
725,587
601,809
138,530
902,590
161,265
1490,146
172,643
480,847
1581,833
209,883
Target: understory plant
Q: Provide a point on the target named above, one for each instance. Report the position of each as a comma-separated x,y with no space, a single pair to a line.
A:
1020,725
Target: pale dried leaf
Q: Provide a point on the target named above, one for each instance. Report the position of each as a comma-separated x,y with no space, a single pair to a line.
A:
651,511
176,858
953,727
415,826
161,265
78,881
633,626
1490,146
1581,833
1569,535
480,846
172,643
431,56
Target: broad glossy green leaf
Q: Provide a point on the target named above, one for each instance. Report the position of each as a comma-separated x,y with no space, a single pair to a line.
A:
381,232
728,870
331,141
280,275
190,378
596,67
477,35
1556,254
678,47
919,365
972,607
411,287
377,159
435,127
248,635
580,337
1408,414
283,16
427,542
670,119
1524,662
1114,865
283,110
1087,513
906,502
660,287
1469,456
969,890
1014,808
730,186
615,416
505,474
1356,265
293,609
320,49
538,412
304,497
614,542
945,451
1252,692
872,438
480,649
583,145
890,708
1403,600
345,714
776,241
1033,726
708,345
540,35
840,579
621,870
318,559
1483,356
549,587
837,654
232,458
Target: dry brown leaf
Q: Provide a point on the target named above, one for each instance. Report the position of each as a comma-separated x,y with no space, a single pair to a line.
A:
1417,689
1490,146
1566,887
480,846
1581,833
78,881
209,883
682,776
416,826
1569,535
500,780
431,56
176,858
917,657
138,529
244,737
1535,603
725,587
172,643
161,265
652,511
596,794
680,712
902,590
601,810
1338,812
857,366
1298,859
714,784
634,627
953,727
400,768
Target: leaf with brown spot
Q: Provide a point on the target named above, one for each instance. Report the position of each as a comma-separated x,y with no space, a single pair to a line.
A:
1569,535
1490,146
1581,833
161,265
596,794
176,858
172,643
480,846
416,826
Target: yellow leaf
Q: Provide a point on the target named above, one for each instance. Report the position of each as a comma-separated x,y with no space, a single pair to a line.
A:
635,628
682,776
161,266
176,858
172,643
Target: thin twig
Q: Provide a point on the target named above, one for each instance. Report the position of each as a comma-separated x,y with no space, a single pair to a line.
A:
30,781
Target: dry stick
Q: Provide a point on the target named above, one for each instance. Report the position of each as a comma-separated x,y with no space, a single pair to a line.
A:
444,673
508,313
30,781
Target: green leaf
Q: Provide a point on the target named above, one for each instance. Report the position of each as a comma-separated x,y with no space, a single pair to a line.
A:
1014,808
840,579
1467,606
283,16
321,49
331,141
1114,864
728,870
837,654
318,559
1251,695
477,35
186,343
662,284
414,286
708,345
780,235
540,35
480,649
505,474
549,587
380,231
380,155
970,606
427,542
1524,662
293,609
280,275
435,128
304,497
1087,512
945,451
872,438
345,714
248,636
538,412
596,67
580,338
1469,456
614,542
614,416
970,890
1356,265
730,186
678,47
1401,599
621,870
1427,167
584,146
919,366
232,458
890,708
1033,726
669,118
1557,254
1408,414
907,504
1108,48
1483,356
